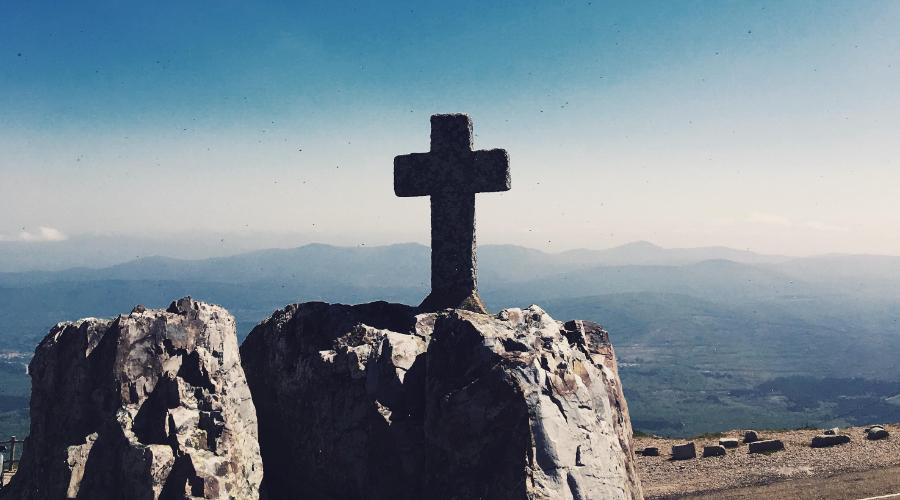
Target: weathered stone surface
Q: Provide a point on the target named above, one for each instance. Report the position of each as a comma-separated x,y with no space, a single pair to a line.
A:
149,405
766,446
831,432
751,436
684,451
827,440
729,442
875,433
338,391
377,401
715,450
522,380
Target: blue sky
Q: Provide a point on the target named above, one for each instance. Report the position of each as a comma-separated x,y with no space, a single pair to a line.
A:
763,125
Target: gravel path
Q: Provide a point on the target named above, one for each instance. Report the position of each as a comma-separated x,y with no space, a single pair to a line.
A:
663,477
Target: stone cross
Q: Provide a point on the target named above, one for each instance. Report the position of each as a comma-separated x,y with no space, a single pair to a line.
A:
451,173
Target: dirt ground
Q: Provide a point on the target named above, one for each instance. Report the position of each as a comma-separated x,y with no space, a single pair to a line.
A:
849,485
858,469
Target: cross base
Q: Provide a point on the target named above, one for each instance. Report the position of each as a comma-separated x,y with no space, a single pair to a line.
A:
449,299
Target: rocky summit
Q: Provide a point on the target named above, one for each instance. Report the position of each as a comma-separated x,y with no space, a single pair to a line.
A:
382,401
153,404
373,401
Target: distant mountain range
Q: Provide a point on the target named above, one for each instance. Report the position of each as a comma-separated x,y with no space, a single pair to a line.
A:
104,250
712,272
696,329
99,251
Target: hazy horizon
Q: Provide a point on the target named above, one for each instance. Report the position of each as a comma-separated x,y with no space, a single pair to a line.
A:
104,250
766,126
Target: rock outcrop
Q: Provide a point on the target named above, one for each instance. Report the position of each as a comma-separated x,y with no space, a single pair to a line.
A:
153,404
378,401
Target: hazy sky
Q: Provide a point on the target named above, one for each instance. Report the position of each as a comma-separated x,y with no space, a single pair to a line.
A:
773,126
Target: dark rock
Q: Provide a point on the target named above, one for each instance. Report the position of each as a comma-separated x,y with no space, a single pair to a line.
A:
149,405
356,375
751,436
452,404
876,433
685,451
826,440
766,446
650,451
729,442
714,451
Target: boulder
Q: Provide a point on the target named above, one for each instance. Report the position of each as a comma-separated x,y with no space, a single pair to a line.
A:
751,436
766,446
827,440
831,432
149,405
714,451
650,451
729,442
684,451
876,433
379,401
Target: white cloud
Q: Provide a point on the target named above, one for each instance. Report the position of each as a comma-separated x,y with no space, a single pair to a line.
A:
770,219
42,233
823,226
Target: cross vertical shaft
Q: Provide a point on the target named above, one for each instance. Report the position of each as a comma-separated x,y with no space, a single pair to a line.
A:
454,269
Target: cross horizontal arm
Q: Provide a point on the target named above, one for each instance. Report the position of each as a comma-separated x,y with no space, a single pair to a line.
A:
490,171
411,175
423,174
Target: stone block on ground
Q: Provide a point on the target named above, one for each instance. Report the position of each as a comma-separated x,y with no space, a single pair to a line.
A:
152,404
714,451
876,433
650,451
684,451
378,401
828,440
766,446
751,436
729,442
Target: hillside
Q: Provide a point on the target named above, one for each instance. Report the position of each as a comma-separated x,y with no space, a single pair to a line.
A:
858,469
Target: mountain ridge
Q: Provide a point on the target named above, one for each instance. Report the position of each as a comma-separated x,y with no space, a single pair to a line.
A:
634,253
